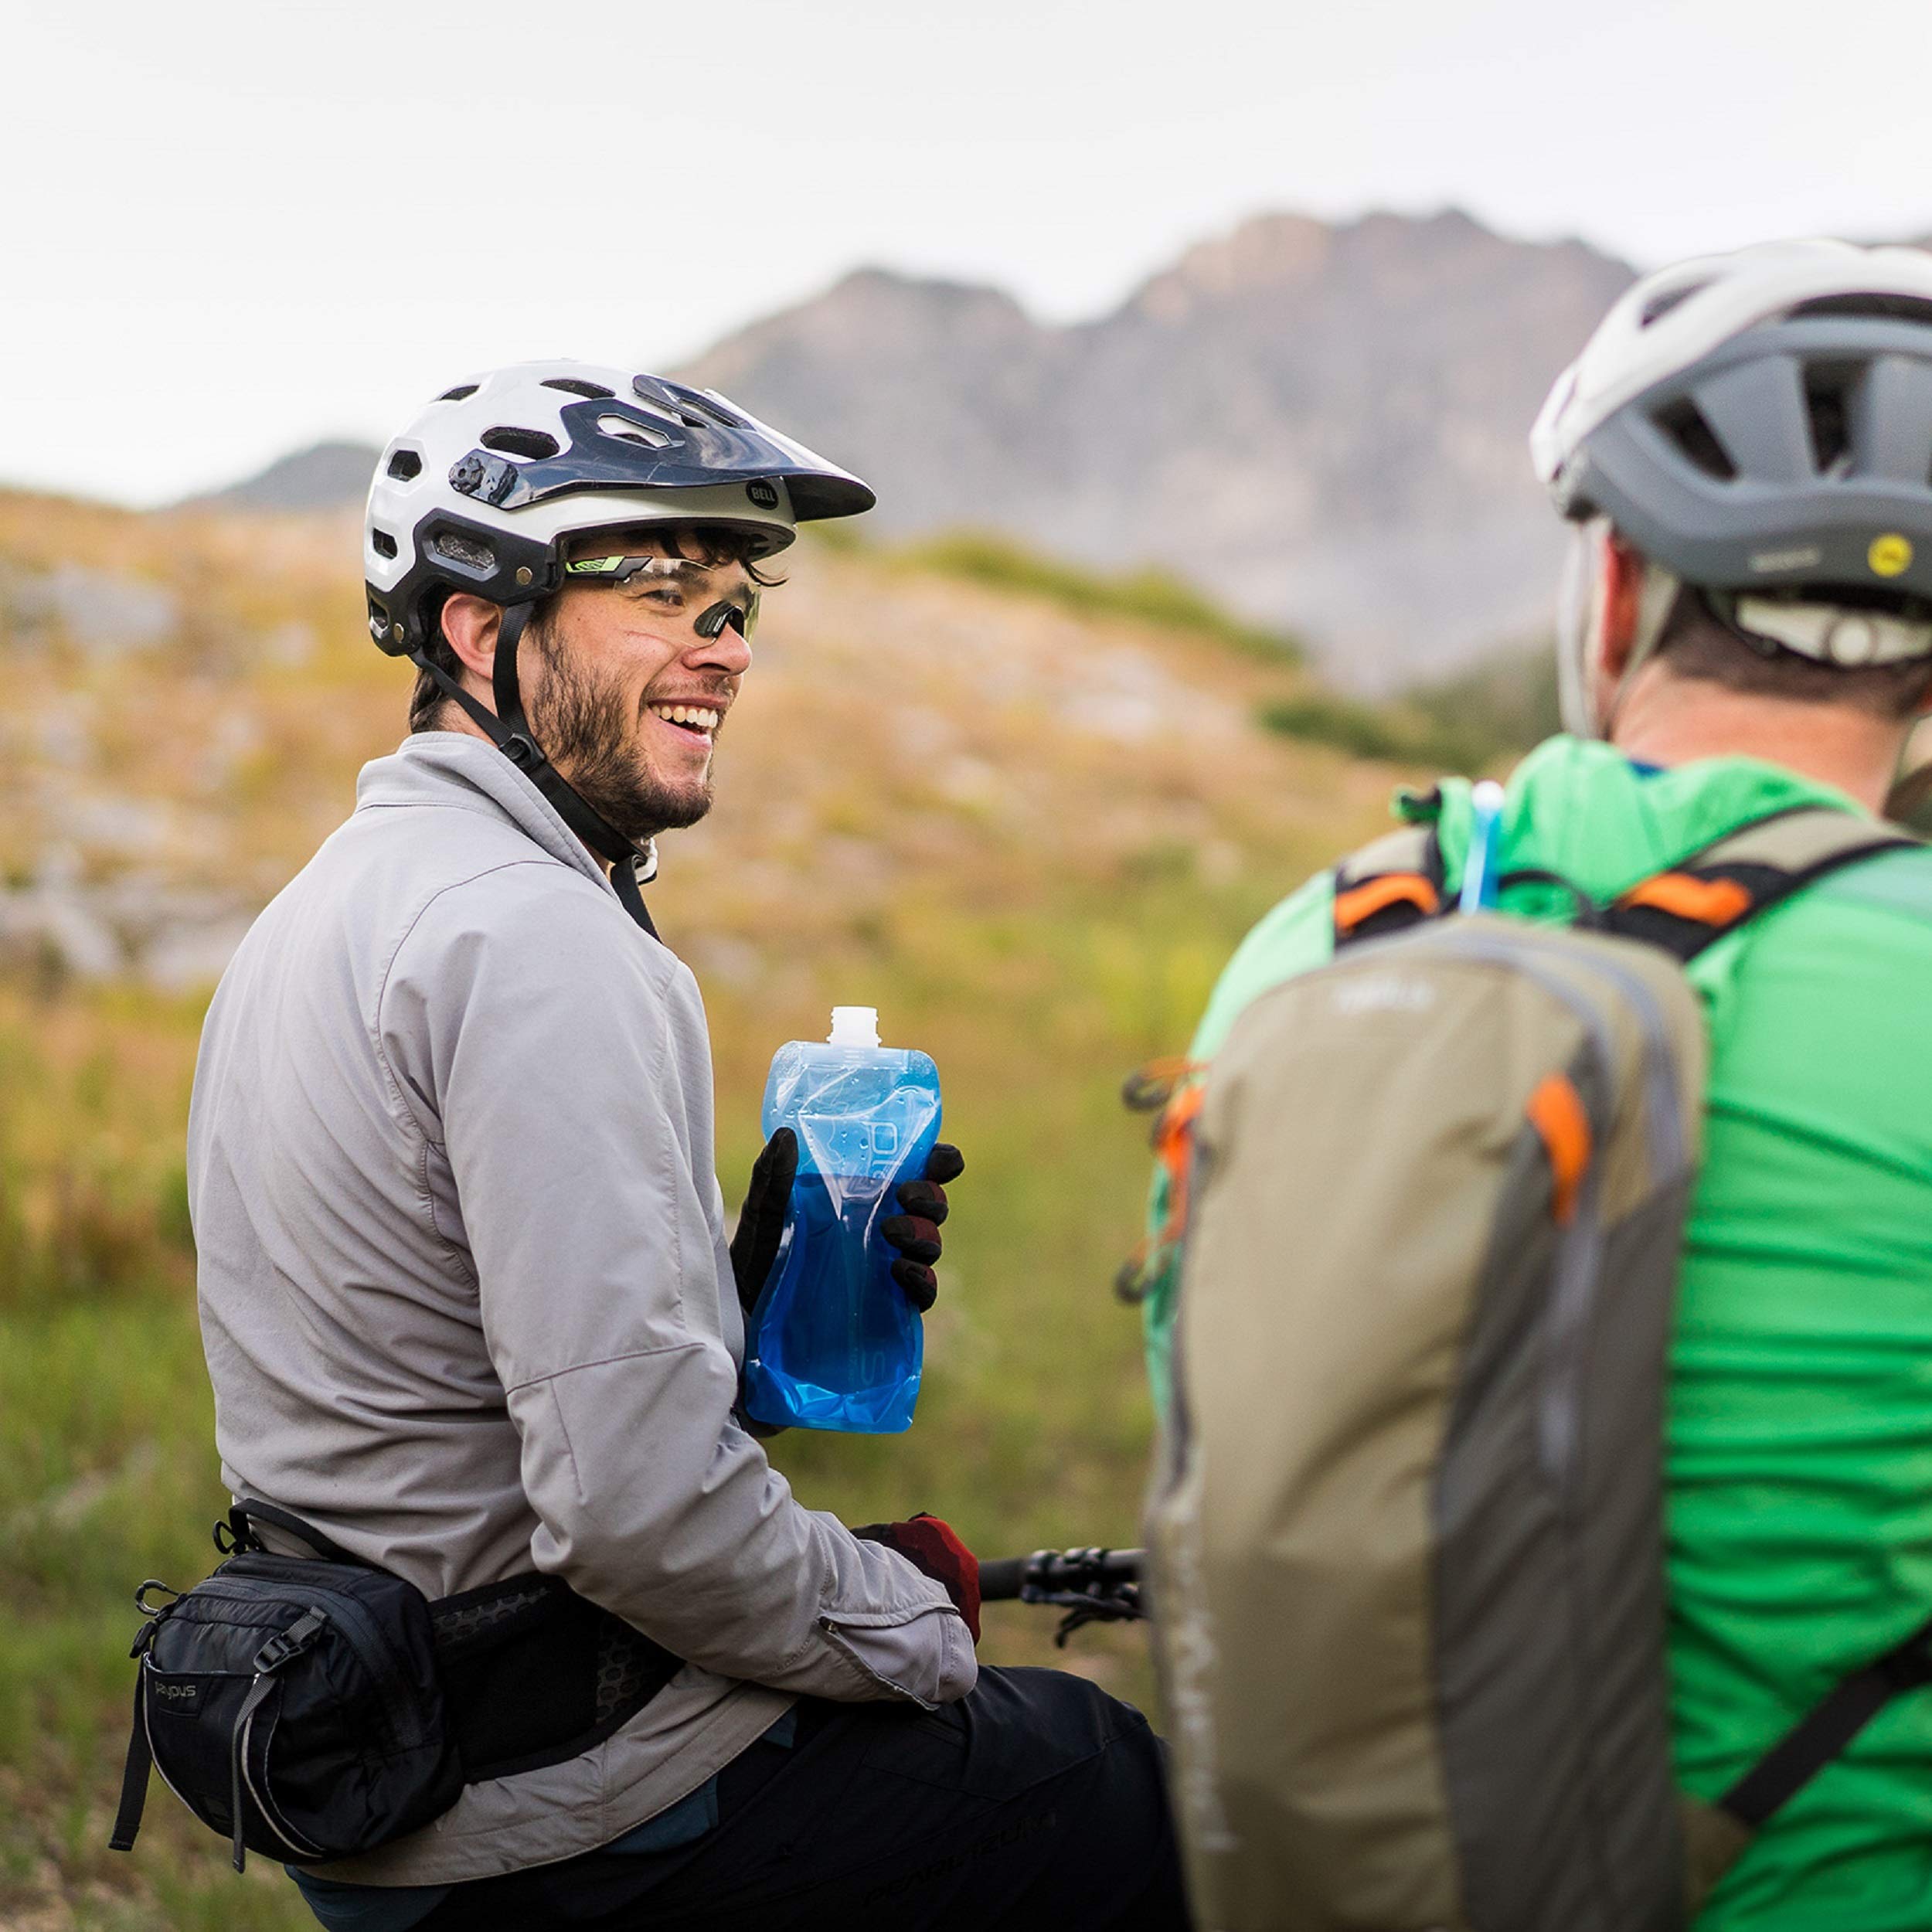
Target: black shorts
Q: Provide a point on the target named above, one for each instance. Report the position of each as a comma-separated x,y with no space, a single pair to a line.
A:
1037,1800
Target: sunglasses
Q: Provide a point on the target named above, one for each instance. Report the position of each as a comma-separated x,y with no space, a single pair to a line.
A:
679,576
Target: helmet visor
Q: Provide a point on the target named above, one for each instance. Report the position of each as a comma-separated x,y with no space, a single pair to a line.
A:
677,592
671,438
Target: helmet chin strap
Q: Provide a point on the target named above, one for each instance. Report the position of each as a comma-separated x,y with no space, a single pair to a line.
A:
1655,602
508,729
1576,601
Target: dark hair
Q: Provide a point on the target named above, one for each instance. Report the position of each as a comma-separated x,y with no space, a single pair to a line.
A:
700,543
1698,643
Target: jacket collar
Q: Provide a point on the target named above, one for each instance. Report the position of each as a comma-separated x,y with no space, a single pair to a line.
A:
451,768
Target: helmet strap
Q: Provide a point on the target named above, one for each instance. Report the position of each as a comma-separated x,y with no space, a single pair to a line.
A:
1577,599
1655,601
1580,629
508,729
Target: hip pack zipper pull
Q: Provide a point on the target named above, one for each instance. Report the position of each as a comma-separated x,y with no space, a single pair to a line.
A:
283,1648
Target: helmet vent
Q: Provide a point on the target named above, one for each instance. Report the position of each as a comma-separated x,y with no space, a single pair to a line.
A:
1830,388
406,466
459,393
1665,301
1896,308
698,410
533,444
685,406
628,431
465,550
1683,422
382,542
574,385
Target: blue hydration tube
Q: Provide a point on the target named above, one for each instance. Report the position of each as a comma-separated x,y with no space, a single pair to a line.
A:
1479,875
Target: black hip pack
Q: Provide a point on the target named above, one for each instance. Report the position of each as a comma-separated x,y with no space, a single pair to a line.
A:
312,1707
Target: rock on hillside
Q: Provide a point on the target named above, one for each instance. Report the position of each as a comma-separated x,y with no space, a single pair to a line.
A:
1324,425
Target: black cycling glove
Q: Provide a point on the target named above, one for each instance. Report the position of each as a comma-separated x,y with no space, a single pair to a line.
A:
914,1233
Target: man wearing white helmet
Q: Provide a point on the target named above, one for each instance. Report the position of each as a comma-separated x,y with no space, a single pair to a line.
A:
1745,451
470,1312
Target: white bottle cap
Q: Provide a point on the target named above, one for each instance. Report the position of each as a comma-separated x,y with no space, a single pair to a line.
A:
854,1026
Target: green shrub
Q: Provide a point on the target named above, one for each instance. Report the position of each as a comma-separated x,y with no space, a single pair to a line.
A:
1467,722
1362,730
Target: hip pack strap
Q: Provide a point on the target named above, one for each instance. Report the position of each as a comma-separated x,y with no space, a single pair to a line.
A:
134,1777
535,1675
249,1511
532,1673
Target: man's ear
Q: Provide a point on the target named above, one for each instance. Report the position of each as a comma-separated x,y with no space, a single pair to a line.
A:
1619,589
470,625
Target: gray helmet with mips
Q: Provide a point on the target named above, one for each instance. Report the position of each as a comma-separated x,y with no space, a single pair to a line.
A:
1758,426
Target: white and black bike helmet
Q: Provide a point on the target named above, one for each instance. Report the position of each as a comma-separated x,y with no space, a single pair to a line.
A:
1759,425
482,492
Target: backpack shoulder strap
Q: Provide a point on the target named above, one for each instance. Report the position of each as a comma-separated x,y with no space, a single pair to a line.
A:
1395,883
1747,871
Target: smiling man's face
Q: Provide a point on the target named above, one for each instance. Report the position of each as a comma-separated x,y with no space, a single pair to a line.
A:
624,692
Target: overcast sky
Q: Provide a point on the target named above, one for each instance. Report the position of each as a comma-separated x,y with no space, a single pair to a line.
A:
229,229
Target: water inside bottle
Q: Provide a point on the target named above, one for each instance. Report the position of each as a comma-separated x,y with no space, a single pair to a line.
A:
833,1343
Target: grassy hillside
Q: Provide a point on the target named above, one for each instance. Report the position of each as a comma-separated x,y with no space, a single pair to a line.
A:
1029,831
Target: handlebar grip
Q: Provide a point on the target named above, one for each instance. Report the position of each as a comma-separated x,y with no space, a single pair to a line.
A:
1000,1579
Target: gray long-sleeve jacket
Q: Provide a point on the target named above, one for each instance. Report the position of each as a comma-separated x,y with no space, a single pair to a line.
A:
466,1298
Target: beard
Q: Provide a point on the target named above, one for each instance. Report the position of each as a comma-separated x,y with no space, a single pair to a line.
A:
590,731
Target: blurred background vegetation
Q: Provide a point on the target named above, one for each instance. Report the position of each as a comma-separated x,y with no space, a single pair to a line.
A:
1024,811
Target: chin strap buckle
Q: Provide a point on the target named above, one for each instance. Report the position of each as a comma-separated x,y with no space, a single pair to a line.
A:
522,751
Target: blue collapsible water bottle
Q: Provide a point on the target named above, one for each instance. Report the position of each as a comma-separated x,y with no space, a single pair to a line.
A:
832,1342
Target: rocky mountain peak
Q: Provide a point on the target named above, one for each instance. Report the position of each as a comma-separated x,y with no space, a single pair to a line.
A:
898,317
1323,421
1262,254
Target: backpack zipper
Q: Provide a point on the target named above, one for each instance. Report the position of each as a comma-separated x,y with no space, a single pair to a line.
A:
1578,1255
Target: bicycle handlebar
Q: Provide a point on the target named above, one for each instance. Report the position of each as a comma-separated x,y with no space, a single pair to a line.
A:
1092,1586
1050,1575
1001,1578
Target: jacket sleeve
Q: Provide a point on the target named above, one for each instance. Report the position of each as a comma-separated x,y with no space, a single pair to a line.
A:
550,1050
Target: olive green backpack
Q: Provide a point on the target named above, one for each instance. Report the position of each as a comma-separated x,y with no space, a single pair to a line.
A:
1407,1542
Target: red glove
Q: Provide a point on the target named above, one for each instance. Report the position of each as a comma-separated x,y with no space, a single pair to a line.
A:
932,1546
